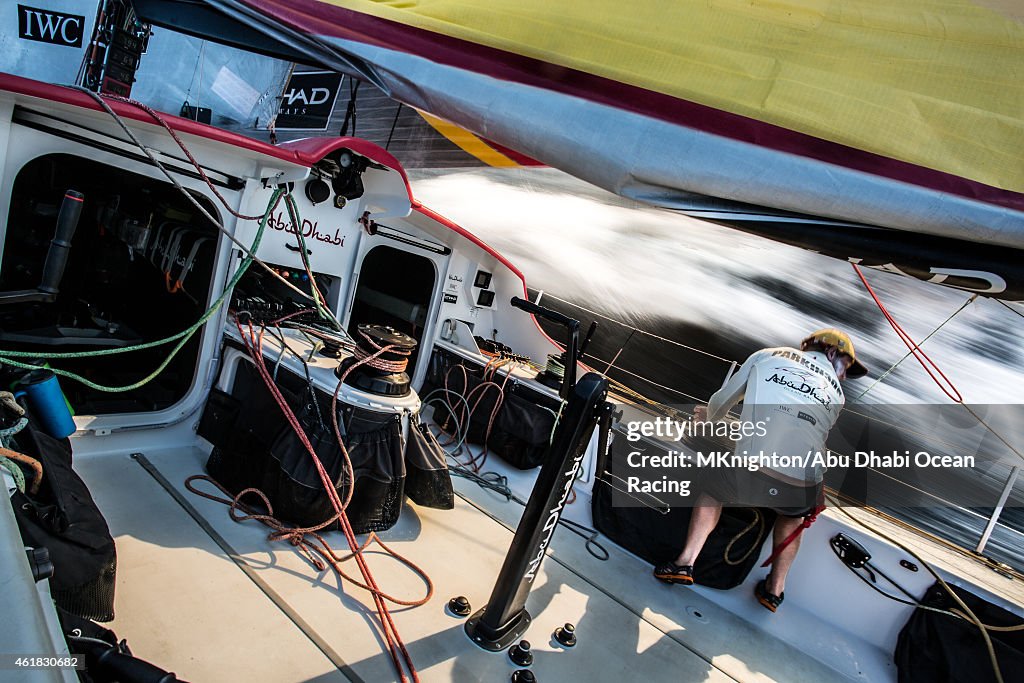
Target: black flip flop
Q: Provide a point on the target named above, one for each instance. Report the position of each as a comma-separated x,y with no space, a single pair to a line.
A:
769,601
674,573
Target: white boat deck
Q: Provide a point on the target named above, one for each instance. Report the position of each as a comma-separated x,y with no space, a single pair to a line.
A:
185,605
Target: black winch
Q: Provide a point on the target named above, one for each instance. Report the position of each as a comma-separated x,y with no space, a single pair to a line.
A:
384,375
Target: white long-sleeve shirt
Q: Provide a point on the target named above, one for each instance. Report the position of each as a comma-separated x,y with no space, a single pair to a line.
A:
797,398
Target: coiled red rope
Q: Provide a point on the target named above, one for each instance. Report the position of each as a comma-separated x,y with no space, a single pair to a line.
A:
396,647
297,536
372,359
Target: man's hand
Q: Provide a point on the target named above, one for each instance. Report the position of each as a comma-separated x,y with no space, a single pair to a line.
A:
700,413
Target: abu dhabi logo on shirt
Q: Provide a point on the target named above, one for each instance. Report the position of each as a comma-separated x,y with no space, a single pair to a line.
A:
801,382
804,361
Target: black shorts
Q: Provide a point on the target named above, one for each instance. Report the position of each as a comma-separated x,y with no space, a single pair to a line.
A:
741,487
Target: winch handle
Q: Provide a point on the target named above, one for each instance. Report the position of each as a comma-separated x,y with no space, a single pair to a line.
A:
547,313
60,245
586,340
572,348
56,256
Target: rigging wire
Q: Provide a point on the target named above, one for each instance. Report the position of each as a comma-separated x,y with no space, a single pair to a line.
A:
350,110
188,195
952,392
1010,307
910,353
949,389
200,66
394,123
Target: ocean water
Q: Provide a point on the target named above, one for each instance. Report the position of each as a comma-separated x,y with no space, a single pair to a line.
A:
656,281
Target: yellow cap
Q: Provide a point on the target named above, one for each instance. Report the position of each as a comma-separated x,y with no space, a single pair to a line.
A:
839,339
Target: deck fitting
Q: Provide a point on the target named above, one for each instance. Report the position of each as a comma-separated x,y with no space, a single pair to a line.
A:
566,635
520,654
523,676
459,606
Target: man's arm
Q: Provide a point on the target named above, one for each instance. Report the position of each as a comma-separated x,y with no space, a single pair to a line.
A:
732,393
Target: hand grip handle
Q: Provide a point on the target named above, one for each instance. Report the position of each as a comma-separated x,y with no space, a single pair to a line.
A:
547,313
60,245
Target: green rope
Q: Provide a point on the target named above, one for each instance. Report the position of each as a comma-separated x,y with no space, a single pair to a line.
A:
182,337
12,467
321,309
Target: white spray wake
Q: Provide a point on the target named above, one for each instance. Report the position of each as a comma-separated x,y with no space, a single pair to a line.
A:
641,264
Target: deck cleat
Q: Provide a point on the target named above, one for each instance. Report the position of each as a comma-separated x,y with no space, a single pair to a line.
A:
523,676
459,606
566,635
520,654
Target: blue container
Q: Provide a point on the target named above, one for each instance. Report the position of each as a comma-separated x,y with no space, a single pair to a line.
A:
47,403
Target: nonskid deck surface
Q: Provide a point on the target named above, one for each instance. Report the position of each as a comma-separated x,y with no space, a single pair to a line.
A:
184,604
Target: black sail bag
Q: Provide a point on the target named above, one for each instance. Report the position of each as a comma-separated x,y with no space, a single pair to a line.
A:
427,480
63,518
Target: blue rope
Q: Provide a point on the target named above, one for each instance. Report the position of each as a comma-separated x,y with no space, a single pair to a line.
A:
6,434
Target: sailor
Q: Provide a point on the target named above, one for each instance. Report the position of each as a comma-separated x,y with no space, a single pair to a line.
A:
791,399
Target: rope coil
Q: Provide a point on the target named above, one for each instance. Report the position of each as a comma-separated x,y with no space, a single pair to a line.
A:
32,463
318,552
253,343
373,359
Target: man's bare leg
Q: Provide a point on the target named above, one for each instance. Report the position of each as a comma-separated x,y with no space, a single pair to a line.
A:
702,522
784,526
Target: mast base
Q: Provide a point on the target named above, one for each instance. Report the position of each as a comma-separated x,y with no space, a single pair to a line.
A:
497,640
